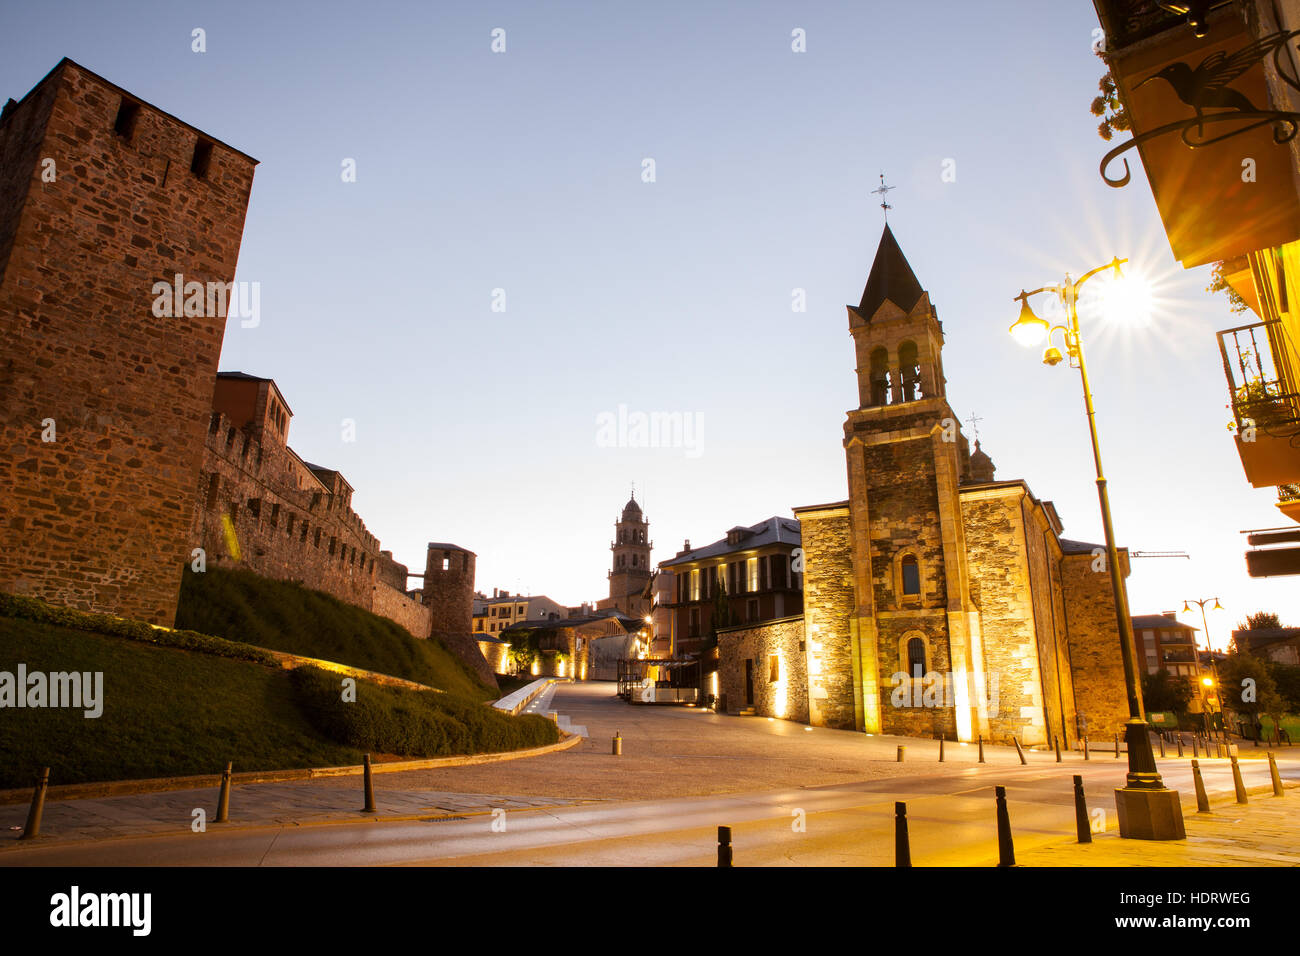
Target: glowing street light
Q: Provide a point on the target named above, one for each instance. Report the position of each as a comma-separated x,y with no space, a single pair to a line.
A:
1147,808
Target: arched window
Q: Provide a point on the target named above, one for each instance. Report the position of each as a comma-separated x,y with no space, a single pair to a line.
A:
880,377
909,371
911,575
916,658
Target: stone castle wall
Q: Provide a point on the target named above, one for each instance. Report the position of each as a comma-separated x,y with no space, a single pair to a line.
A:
285,524
400,607
99,518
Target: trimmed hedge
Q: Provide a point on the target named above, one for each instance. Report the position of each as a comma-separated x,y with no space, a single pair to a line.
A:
31,609
413,723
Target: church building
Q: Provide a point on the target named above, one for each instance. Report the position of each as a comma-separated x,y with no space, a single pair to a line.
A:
937,600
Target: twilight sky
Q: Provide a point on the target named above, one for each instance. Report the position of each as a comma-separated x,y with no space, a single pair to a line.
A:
522,171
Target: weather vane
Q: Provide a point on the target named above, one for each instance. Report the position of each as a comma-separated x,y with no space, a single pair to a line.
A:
974,425
884,200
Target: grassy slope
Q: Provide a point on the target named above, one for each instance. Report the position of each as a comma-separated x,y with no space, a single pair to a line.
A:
242,606
166,712
170,712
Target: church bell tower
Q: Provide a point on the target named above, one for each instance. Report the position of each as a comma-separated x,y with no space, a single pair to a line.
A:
906,457
629,578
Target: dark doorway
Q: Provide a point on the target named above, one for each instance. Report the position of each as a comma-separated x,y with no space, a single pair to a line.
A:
749,682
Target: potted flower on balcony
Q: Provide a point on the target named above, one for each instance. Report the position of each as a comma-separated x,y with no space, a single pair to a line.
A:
1288,501
1262,403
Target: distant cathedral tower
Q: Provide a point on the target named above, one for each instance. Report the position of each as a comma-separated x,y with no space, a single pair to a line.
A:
629,578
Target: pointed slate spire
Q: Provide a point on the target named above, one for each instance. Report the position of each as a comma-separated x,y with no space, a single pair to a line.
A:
891,278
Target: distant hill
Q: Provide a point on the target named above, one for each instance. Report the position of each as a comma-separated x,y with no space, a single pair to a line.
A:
243,606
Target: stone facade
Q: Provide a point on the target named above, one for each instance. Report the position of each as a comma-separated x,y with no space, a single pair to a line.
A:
1095,659
103,404
830,618
765,668
496,652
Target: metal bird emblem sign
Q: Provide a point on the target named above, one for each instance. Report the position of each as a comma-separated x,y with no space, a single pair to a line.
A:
1207,92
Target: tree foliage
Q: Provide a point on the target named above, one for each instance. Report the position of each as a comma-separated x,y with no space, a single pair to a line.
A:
1163,691
1247,688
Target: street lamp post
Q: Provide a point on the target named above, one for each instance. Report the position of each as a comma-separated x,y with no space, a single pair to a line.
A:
1146,808
1205,707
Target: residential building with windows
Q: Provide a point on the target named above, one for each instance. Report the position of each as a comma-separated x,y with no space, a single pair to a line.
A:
494,614
1165,643
748,577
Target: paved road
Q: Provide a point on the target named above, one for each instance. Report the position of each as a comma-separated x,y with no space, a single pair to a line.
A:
683,774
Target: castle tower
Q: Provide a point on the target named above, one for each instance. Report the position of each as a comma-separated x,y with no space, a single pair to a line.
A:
910,608
449,588
106,391
629,576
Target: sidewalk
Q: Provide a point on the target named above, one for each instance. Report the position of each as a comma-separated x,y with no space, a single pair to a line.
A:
1263,832
260,805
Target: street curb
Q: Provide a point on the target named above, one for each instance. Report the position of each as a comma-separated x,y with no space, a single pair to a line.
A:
118,788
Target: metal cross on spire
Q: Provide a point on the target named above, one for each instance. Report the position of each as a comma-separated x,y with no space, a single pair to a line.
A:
974,425
884,200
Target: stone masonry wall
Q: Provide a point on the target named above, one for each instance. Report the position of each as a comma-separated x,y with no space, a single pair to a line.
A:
1096,664
903,502
829,604
787,696
1044,553
281,530
99,518
449,589
1005,593
397,606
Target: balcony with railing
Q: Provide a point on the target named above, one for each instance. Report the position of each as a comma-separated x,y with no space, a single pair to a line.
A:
1264,401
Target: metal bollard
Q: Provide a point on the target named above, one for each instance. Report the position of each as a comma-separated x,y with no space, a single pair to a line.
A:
902,845
1277,779
901,748
33,827
1180,745
981,748
370,786
1085,746
223,801
941,740
1202,800
1019,752
1056,742
1081,824
724,846
1117,746
618,744
1237,783
1162,746
1006,851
